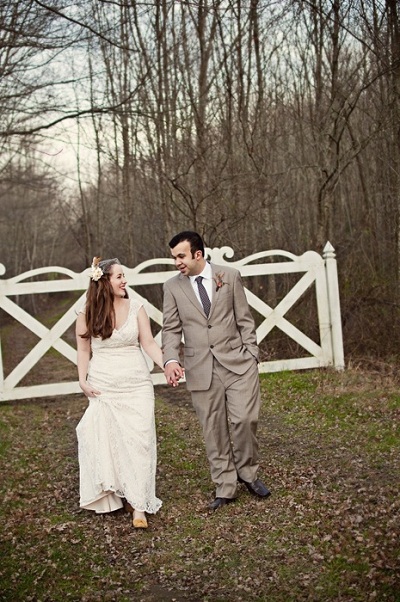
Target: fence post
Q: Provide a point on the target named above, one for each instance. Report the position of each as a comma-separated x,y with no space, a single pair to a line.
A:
2,272
332,284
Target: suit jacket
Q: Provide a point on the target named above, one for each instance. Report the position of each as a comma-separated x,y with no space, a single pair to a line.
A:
228,334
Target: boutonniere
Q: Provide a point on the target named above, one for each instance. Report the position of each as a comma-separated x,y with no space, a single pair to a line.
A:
219,281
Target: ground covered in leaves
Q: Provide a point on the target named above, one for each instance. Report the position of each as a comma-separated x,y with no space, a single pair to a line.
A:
329,446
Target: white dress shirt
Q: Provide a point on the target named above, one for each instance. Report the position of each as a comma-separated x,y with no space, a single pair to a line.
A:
207,282
208,285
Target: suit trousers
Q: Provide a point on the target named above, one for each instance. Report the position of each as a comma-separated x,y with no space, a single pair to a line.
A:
228,413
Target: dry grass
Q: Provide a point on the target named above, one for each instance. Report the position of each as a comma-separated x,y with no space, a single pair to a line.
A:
330,452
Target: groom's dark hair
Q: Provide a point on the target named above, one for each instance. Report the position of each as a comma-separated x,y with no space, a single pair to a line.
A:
194,239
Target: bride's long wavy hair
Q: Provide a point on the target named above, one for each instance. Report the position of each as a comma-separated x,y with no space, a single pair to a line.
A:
99,310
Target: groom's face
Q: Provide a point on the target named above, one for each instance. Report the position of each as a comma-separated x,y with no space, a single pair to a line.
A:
185,262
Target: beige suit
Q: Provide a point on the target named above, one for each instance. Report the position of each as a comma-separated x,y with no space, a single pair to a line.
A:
220,360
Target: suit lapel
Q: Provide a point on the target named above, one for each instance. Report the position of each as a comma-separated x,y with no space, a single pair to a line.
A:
187,288
214,300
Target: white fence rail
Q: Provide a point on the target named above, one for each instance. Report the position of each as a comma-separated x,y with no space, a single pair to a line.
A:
316,270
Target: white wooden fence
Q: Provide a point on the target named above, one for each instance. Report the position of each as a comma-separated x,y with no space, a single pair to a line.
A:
316,270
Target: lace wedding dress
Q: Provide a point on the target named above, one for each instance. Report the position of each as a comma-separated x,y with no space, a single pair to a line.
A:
116,435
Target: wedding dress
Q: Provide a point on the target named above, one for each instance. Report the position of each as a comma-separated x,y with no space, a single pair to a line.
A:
116,435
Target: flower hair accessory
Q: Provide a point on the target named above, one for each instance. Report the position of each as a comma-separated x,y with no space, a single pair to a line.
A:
219,281
97,272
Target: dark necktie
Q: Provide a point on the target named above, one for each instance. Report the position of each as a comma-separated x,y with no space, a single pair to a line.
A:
205,300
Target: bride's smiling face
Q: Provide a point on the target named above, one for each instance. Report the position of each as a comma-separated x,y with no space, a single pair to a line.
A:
117,280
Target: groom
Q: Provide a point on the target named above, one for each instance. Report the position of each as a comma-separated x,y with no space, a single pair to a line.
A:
207,303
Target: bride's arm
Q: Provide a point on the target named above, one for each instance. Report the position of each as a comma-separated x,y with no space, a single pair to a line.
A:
147,340
83,352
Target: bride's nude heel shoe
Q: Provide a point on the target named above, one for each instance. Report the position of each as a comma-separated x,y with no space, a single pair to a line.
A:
140,523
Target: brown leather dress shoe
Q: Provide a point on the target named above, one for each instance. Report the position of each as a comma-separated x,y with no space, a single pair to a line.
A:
257,487
220,501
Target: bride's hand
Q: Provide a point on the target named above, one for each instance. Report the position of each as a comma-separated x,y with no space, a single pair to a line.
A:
173,372
88,390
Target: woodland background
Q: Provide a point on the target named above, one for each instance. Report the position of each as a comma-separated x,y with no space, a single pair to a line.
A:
262,124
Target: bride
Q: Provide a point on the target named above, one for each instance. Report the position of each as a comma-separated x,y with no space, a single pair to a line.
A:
116,435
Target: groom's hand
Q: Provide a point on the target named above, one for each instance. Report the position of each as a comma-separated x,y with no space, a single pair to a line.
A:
173,373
